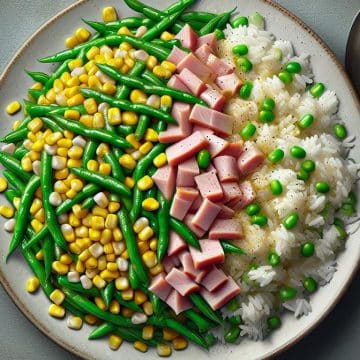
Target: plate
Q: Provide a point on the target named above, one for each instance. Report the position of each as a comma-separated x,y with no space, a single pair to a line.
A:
49,39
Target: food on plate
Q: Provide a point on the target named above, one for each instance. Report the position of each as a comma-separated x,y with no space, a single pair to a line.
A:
179,177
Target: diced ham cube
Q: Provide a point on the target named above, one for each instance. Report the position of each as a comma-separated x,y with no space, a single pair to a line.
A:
172,134
226,212
213,98
192,63
168,263
222,295
233,149
232,192
211,168
218,67
196,204
203,52
229,84
226,168
178,303
176,244
204,130
187,37
184,197
214,279
188,267
188,222
181,282
187,171
160,287
176,55
175,83
206,214
226,229
250,159
215,120
211,253
165,178
185,148
216,144
192,82
248,196
208,39
209,186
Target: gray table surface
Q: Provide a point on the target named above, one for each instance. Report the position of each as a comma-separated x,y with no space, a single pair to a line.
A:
336,338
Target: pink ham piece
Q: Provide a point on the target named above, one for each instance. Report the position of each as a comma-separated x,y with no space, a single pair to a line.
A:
168,263
208,39
176,55
203,52
176,244
165,178
217,145
192,63
183,199
232,192
206,214
214,279
178,303
187,37
250,158
175,83
213,98
205,131
226,212
211,168
192,82
212,119
197,231
160,287
218,67
196,204
226,168
181,282
233,149
221,295
211,253
248,196
185,148
187,171
229,229
209,186
189,269
229,84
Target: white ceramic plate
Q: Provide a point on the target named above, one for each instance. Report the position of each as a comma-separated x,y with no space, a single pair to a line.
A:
284,25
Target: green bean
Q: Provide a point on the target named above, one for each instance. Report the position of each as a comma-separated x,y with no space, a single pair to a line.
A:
204,308
123,91
148,11
218,22
77,287
101,331
11,194
133,278
228,247
125,130
133,335
131,245
12,164
107,293
25,122
51,124
202,323
36,110
89,152
49,255
38,76
34,94
14,181
15,136
129,304
163,220
56,74
88,203
180,5
35,239
22,214
116,169
186,234
20,152
169,44
143,124
197,16
136,203
151,78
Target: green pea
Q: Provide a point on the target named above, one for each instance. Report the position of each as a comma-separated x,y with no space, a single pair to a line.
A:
257,20
266,116
244,64
317,89
240,49
273,322
239,21
268,104
233,305
210,339
253,209
232,334
322,187
276,187
219,34
273,258
302,175
245,90
310,284
285,77
235,320
305,121
276,155
260,220
293,67
339,224
307,249
297,152
340,131
253,266
308,166
203,159
291,220
287,293
248,131
347,209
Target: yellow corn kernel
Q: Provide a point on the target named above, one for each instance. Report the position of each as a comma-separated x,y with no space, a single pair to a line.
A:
151,62
6,211
56,311
151,135
74,81
102,263
3,184
148,332
126,312
17,202
92,165
98,211
87,120
122,283
129,118
162,72
97,223
149,259
108,275
108,248
112,266
65,77
100,59
150,204
163,350
82,231
153,244
82,34
62,151
146,233
42,100
145,183
102,149
111,221
38,145
105,169
73,221
128,294
139,297
94,82
40,215
99,282
109,14
31,136
166,100
129,182
145,147
58,86
34,155
106,236
157,269
115,341
35,125
114,307
127,161
36,225
37,86
148,308
179,343
80,266
75,153
91,319
77,99
169,334
26,164
13,107
117,234
166,36
38,193
71,42
109,88
75,248
116,62
72,91
133,141
84,78
91,263
65,259
57,297
32,284
125,69
125,46
138,96
92,52
98,121
143,247
74,323
138,345
90,106
60,268
168,65
79,212
125,31
114,116
100,303
84,255
72,114
51,96
110,257
53,138
16,124
113,207
73,64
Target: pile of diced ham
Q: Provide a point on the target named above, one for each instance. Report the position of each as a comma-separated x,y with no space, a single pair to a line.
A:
204,200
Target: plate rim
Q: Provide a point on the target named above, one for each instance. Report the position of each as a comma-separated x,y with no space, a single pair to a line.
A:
356,98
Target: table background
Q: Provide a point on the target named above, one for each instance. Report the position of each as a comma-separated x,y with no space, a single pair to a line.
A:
337,337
